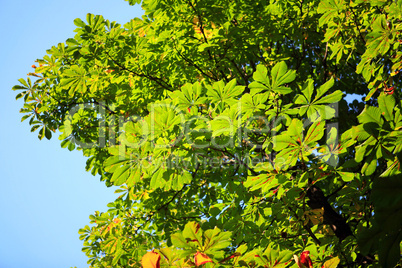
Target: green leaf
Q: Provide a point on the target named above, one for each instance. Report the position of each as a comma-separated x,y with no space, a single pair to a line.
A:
224,95
261,80
379,40
264,181
189,95
24,83
332,263
386,104
120,175
332,98
216,240
316,108
323,89
281,75
389,253
308,89
193,232
78,22
315,132
74,80
330,10
346,176
370,94
71,146
385,234
371,114
179,241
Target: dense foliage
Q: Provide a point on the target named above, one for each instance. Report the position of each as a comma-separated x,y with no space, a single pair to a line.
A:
226,127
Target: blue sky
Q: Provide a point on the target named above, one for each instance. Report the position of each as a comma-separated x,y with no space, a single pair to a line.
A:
45,193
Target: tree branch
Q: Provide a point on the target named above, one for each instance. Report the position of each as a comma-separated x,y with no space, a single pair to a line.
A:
331,217
152,78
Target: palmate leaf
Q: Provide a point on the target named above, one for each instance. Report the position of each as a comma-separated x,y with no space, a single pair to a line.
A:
379,40
125,168
269,258
293,136
26,84
332,149
277,258
253,104
222,125
292,144
189,95
194,241
226,123
44,132
96,22
215,241
279,76
114,162
221,94
166,175
190,238
180,241
334,97
373,147
319,106
163,119
307,90
170,255
74,79
261,80
121,174
330,10
193,232
289,144
337,49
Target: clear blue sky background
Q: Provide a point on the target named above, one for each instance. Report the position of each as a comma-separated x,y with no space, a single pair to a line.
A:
45,193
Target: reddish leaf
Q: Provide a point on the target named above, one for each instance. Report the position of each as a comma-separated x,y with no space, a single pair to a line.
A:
389,91
151,260
236,254
201,258
197,227
304,261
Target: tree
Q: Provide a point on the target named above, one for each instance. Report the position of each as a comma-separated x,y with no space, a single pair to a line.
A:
226,127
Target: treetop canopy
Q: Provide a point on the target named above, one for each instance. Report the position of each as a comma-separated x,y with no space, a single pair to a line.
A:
226,127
